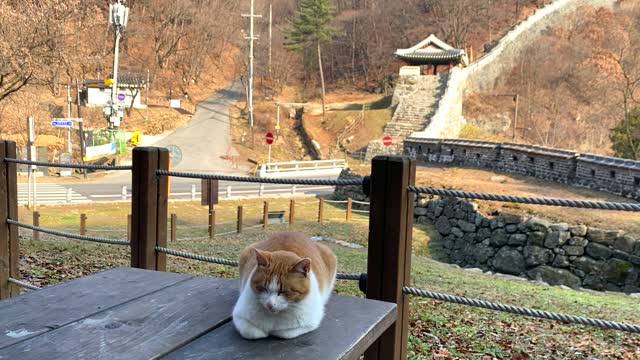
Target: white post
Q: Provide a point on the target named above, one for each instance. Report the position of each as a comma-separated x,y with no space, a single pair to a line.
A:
251,38
269,158
68,195
124,192
228,191
293,190
193,191
69,148
261,191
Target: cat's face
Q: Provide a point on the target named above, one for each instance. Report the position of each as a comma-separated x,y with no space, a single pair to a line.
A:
281,279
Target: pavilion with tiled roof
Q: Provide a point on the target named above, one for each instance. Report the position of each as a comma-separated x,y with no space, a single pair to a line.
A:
433,52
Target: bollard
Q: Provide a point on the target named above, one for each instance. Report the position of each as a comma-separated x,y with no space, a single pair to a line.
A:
36,222
69,197
174,223
240,216
229,191
293,190
321,210
261,191
212,222
349,207
265,215
193,191
124,192
83,224
292,212
129,227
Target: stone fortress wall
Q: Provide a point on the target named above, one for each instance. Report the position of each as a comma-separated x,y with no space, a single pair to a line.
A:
603,173
486,72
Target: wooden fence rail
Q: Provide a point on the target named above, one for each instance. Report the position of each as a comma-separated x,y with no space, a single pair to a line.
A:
389,250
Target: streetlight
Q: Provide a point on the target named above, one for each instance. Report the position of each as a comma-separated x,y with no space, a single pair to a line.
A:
118,17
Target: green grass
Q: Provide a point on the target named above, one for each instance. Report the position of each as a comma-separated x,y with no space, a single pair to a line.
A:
438,330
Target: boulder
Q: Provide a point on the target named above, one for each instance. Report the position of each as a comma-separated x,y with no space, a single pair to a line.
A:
587,264
511,228
484,233
420,211
616,271
510,219
457,232
578,241
537,224
495,224
499,237
578,230
624,243
536,238
573,250
536,255
483,253
556,238
561,261
598,251
594,281
443,226
605,237
636,250
518,239
559,227
424,202
509,261
423,220
466,226
621,255
554,276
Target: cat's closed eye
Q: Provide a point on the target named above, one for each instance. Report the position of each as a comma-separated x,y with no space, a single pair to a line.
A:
260,288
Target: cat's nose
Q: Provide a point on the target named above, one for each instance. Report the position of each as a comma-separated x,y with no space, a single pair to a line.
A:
269,307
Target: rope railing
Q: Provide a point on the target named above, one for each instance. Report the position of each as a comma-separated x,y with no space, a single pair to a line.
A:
24,284
232,178
69,235
360,202
233,263
336,201
68,166
522,310
600,205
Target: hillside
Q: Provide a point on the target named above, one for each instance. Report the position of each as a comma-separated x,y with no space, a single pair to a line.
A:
575,84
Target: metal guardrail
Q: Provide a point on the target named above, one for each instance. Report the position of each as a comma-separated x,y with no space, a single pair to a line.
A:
302,168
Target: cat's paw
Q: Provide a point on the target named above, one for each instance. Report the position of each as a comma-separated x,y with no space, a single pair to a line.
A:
248,331
292,333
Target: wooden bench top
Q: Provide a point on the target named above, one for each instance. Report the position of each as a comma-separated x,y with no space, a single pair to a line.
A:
131,314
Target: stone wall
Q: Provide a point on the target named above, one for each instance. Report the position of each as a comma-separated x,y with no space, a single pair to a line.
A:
558,254
483,74
602,173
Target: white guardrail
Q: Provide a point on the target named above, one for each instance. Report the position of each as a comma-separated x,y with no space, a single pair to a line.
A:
324,168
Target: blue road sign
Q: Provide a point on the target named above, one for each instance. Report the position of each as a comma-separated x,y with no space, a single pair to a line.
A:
61,123
121,97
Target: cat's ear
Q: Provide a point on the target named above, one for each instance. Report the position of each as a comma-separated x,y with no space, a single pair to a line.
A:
261,257
302,267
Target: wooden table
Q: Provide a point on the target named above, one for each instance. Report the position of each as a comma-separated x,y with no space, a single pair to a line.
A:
133,314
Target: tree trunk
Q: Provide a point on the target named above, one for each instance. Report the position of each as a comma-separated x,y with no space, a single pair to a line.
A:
321,80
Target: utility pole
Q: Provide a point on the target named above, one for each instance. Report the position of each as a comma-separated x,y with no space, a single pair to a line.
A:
118,17
270,34
251,38
69,148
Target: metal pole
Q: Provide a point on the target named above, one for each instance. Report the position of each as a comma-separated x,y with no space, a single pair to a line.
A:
251,68
270,34
269,158
80,129
69,117
114,86
515,118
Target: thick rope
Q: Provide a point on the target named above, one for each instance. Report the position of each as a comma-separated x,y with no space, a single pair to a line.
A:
259,180
523,311
68,235
528,200
24,284
227,262
68,166
360,202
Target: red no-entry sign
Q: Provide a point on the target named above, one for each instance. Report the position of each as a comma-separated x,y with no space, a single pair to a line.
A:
269,138
387,141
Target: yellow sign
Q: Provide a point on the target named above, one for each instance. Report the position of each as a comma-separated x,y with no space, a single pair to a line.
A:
108,81
135,137
277,127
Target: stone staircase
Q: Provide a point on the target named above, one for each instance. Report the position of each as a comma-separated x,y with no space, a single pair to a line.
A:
415,99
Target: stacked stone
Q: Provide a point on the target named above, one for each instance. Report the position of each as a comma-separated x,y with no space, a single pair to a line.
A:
351,191
558,254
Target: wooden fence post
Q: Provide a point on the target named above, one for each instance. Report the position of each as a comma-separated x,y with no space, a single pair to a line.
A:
149,202
240,216
389,252
265,215
36,222
83,224
8,210
129,227
212,222
321,210
292,212
349,206
174,223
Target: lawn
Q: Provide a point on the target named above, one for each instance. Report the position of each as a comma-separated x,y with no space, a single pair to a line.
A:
438,330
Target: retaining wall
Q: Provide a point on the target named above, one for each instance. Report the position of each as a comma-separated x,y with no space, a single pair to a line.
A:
602,173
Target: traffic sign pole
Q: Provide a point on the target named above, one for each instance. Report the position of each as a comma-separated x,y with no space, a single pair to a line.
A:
269,139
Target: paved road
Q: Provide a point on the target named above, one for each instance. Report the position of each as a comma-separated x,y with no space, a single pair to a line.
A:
206,138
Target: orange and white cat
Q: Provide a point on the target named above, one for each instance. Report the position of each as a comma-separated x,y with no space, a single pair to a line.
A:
285,284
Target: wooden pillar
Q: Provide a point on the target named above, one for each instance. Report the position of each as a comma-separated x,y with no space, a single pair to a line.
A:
240,216
321,211
8,210
83,224
149,201
212,222
292,212
265,215
36,222
389,251
174,223
349,207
